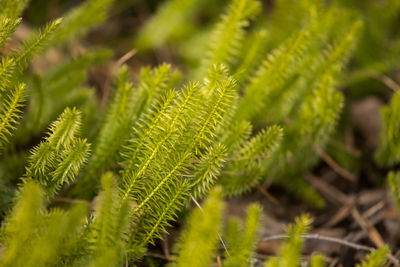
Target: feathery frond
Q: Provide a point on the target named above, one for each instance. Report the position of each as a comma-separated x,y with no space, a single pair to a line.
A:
272,74
168,143
317,260
245,165
376,258
21,223
127,106
7,27
393,179
57,160
82,18
12,9
171,18
208,170
229,33
31,47
107,237
7,71
388,152
289,254
198,241
242,246
10,112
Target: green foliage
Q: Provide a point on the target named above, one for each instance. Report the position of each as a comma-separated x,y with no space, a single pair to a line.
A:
289,254
272,75
394,184
34,45
7,27
168,142
128,104
246,165
317,260
30,230
388,152
229,33
10,112
109,229
376,258
242,243
169,22
81,18
12,9
198,242
58,88
57,160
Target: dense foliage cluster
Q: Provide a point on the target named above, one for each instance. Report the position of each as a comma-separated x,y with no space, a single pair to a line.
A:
259,100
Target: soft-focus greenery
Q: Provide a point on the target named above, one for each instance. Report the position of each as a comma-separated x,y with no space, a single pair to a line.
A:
257,97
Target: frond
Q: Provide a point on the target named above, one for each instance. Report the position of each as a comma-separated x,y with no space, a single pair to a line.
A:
30,230
291,251
7,70
376,258
321,110
208,169
10,112
7,27
317,260
107,237
57,228
58,88
12,9
115,128
31,47
246,163
388,151
235,134
57,160
393,180
81,19
220,89
20,226
169,142
198,241
127,106
339,54
65,128
272,74
225,41
153,82
289,255
170,19
254,45
70,161
153,222
243,244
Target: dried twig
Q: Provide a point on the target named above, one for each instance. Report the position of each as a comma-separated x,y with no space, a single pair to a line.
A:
389,82
328,190
369,227
336,167
266,193
165,245
116,65
219,263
